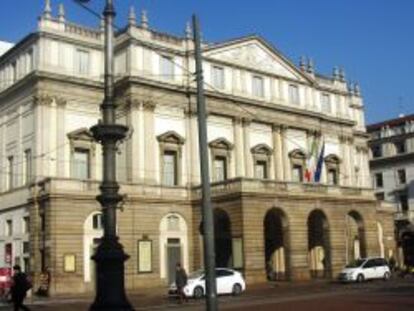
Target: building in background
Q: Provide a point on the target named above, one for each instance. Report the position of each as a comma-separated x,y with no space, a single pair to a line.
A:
272,127
392,171
5,46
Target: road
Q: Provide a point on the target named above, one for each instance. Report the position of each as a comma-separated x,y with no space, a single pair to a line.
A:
394,295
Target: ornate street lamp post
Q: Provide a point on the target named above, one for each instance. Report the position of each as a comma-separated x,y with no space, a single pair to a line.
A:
110,256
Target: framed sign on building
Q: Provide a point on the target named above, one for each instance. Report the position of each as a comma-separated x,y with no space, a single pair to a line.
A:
144,256
69,263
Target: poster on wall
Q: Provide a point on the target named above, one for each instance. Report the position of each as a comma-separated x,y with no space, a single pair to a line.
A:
237,253
69,264
144,256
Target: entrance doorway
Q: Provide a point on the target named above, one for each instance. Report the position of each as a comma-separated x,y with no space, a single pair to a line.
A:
275,237
318,245
355,236
223,239
173,257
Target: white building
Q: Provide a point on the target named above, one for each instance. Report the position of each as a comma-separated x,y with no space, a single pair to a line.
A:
264,115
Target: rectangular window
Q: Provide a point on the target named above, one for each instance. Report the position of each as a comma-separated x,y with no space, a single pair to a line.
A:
404,203
14,71
30,60
26,224
9,227
26,247
380,196
326,103
377,151
293,94
261,169
167,67
401,177
80,164
258,86
217,77
332,177
170,168
297,173
27,166
82,62
26,265
220,169
379,183
10,177
400,147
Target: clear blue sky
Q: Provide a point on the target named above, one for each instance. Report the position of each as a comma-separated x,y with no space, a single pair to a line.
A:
372,39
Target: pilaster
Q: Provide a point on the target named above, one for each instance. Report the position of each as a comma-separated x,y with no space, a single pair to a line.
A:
248,161
149,145
238,147
278,152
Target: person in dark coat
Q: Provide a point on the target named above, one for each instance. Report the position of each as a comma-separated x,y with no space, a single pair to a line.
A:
180,282
20,285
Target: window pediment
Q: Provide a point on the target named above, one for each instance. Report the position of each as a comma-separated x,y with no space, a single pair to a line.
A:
221,143
171,137
262,149
332,159
297,154
82,134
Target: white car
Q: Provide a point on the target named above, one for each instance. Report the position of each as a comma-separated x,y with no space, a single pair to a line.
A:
365,269
228,282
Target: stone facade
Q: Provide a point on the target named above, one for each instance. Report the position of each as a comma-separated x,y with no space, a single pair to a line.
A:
264,116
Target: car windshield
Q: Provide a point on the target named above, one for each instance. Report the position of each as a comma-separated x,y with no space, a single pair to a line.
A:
196,274
355,264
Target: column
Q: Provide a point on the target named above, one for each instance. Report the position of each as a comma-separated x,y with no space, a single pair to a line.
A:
133,144
189,147
286,161
248,161
352,162
239,147
344,166
61,156
195,155
277,152
150,175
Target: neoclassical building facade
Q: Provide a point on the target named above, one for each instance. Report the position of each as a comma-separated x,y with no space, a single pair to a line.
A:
264,115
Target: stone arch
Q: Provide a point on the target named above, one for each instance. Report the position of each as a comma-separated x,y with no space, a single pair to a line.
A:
355,231
319,244
223,238
173,244
92,233
275,230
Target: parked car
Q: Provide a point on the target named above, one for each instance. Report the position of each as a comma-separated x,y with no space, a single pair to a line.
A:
228,282
365,269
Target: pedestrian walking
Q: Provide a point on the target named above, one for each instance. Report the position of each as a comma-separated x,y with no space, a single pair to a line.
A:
19,287
180,282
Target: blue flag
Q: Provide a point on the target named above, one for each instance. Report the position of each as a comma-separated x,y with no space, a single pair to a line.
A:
317,176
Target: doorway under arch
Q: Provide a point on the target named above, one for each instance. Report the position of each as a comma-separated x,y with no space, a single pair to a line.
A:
275,237
223,239
355,232
318,245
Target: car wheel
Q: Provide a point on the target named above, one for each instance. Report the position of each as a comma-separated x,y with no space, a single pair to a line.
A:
360,278
237,289
387,276
198,292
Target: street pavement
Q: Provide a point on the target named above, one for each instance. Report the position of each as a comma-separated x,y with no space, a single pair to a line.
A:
394,295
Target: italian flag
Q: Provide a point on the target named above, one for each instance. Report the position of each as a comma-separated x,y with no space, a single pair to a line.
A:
311,160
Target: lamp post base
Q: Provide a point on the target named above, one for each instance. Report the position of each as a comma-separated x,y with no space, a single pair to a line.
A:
110,291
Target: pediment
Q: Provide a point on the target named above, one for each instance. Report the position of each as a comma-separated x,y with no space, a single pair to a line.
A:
255,53
297,154
221,143
171,137
262,149
82,134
